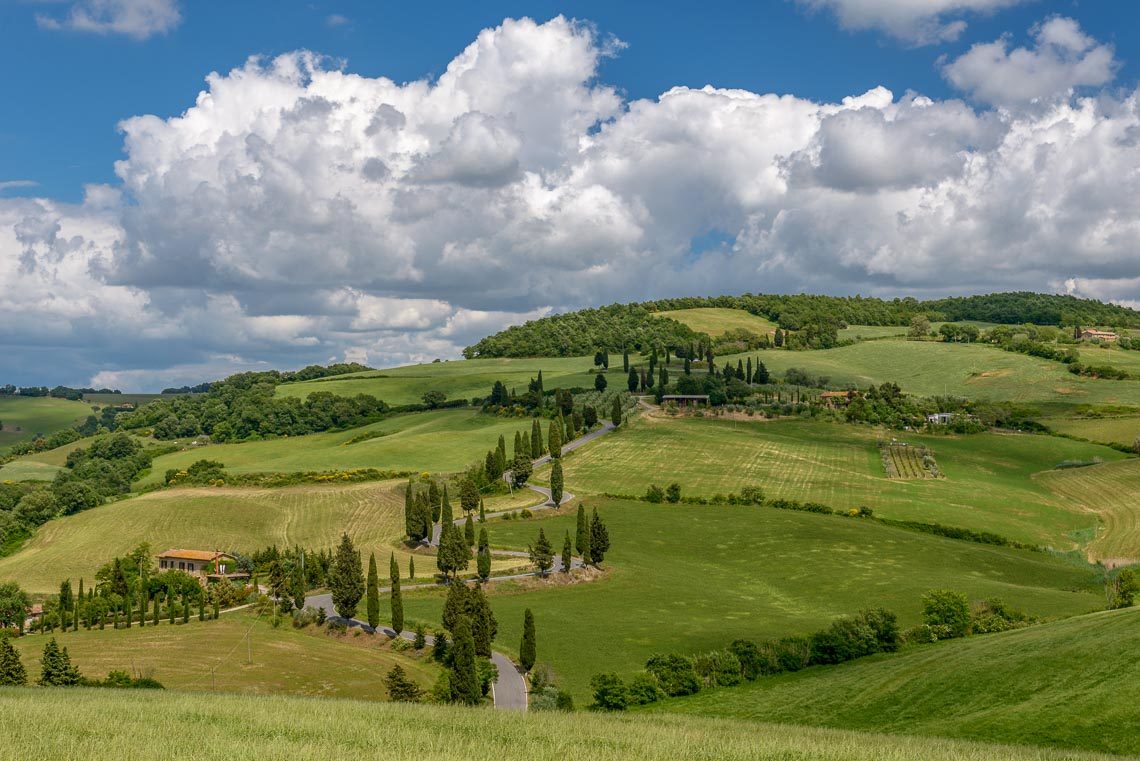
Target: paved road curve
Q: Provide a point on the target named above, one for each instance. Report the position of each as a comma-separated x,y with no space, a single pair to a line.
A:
509,690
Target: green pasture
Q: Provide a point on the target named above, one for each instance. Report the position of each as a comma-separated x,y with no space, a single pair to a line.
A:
78,724
239,652
1111,492
1068,684
439,441
458,379
25,416
987,485
1109,430
690,578
716,321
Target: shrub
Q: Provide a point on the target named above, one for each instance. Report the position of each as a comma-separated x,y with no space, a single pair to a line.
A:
947,608
673,493
719,668
845,640
654,494
610,692
752,495
674,674
304,617
643,689
790,653
752,661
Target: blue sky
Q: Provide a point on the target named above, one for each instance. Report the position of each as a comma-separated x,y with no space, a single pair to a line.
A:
70,100
171,212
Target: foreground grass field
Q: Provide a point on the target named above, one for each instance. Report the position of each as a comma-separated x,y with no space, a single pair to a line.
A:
211,656
76,725
1070,684
36,415
231,519
988,484
692,578
458,379
972,370
440,441
1112,492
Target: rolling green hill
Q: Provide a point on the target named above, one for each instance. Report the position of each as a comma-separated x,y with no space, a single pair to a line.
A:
1069,684
59,725
716,321
688,578
988,484
25,416
1110,491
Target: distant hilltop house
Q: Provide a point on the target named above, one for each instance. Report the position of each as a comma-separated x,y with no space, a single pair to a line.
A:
207,565
35,615
837,398
1091,334
687,400
940,418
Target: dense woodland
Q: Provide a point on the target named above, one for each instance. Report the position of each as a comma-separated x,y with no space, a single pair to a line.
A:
815,318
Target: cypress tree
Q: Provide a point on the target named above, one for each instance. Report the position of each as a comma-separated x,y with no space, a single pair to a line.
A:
482,512
469,531
217,609
484,627
740,369
412,521
748,371
346,579
128,610
373,593
599,539
411,568
527,648
600,383
624,360
397,602
582,539
489,466
615,411
157,611
464,677
762,377
456,604
663,379
202,607
632,381
556,482
535,439
483,556
445,514
688,367
12,672
567,554
185,609
519,444
541,553
539,383
554,438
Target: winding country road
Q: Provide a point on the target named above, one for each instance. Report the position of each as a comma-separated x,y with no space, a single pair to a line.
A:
509,690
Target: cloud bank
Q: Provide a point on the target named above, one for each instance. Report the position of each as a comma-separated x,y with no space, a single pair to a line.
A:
298,212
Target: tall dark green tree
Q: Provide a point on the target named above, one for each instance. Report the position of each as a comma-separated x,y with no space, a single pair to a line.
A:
521,470
373,592
527,649
445,513
483,555
762,376
582,538
599,539
79,604
346,578
484,626
12,672
615,411
541,553
536,449
468,494
56,669
556,483
397,602
567,554
688,367
435,498
554,438
624,360
453,554
748,371
600,382
633,380
298,586
482,512
469,531
413,523
464,676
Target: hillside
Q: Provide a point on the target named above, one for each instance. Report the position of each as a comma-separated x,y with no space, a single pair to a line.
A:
690,578
1067,684
178,726
23,417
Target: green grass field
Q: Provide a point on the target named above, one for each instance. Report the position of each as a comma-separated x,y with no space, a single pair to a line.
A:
440,441
715,321
79,724
929,368
692,578
1112,492
1110,430
458,379
36,415
211,656
987,484
1069,684
221,518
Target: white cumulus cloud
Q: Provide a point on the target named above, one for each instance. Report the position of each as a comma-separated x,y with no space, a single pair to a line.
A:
921,22
139,19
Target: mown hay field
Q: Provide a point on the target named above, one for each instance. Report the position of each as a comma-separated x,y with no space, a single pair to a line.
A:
1067,684
36,415
1111,492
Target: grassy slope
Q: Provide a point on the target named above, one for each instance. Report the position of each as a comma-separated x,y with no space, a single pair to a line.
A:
234,519
285,661
715,321
976,371
1110,430
987,485
692,578
61,725
36,415
460,379
1109,491
441,441
1070,683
